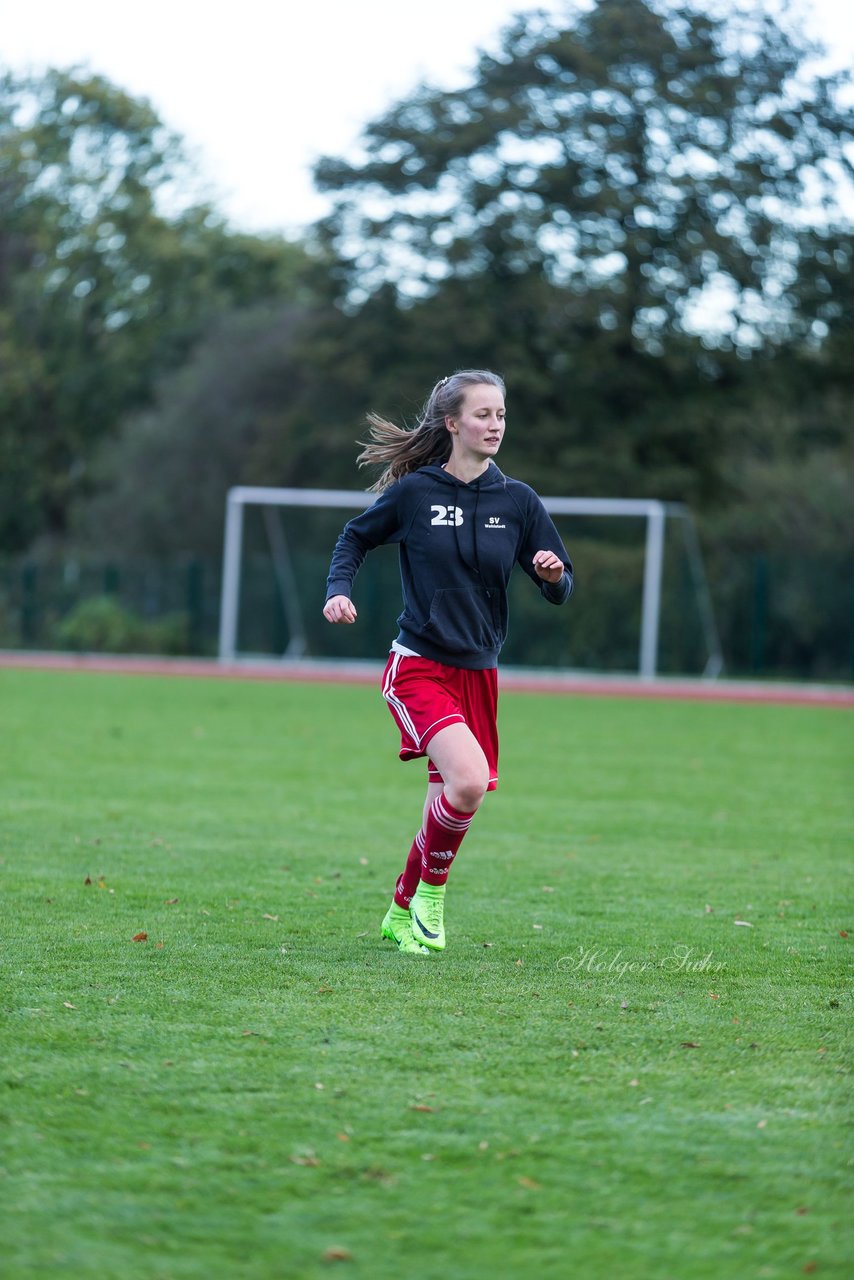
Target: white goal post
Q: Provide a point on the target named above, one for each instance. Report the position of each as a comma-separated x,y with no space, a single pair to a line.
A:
653,512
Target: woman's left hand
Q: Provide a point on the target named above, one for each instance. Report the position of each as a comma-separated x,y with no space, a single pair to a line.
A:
548,566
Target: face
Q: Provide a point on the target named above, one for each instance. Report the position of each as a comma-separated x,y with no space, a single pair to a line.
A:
478,428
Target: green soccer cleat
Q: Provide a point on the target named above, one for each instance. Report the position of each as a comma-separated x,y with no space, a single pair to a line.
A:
427,910
397,927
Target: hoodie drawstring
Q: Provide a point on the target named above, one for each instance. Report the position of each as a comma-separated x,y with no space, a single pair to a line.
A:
475,568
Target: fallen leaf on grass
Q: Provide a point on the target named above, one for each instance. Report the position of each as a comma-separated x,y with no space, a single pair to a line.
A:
267,916
140,937
170,902
843,933
324,990
88,880
761,1124
337,1254
343,1137
689,1044
530,1184
744,923
308,1160
68,1005
421,1107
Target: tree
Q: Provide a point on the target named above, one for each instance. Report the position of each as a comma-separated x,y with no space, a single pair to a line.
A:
161,481
109,270
571,214
642,159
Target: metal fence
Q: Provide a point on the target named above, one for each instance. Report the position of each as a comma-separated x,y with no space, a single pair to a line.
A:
777,617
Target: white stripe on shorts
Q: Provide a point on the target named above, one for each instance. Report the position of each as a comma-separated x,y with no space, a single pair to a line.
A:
393,700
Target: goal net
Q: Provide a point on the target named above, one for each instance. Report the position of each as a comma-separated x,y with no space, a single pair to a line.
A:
641,588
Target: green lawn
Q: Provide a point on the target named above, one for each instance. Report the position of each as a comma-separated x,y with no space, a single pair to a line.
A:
604,1074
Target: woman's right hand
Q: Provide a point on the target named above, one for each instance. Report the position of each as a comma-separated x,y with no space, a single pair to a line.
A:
339,609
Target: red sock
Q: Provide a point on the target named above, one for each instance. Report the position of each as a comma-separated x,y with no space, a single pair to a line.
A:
443,833
407,883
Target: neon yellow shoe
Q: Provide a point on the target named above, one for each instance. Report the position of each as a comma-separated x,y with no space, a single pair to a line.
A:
427,910
397,927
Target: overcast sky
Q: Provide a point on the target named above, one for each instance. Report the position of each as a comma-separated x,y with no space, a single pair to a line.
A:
259,89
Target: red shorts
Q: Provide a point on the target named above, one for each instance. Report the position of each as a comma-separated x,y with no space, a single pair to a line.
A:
425,696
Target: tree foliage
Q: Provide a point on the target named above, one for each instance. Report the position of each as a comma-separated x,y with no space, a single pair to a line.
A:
649,140
643,159
161,482
636,215
107,275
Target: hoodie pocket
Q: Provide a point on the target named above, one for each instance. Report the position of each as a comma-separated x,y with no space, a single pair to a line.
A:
465,618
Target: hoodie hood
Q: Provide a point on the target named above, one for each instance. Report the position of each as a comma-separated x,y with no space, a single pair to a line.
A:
493,477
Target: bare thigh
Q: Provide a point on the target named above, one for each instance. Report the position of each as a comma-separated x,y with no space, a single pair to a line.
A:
458,756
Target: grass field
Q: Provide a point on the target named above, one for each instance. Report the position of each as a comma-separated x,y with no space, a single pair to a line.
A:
604,1075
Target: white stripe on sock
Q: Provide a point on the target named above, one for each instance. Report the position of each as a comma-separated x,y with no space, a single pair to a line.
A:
440,813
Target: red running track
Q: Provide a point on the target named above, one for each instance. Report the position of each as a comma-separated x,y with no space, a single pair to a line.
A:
578,684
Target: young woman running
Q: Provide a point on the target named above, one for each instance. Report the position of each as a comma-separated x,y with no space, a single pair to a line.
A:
461,525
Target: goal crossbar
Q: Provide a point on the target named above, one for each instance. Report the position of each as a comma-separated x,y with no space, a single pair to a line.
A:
651,510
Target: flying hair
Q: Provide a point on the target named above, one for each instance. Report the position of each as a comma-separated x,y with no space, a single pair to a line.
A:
401,450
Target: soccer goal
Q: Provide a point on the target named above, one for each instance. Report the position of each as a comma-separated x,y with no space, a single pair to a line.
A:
271,501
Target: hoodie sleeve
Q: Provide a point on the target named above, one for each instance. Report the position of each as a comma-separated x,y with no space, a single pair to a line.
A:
378,524
541,535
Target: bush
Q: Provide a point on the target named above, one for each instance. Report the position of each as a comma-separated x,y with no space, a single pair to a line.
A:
102,625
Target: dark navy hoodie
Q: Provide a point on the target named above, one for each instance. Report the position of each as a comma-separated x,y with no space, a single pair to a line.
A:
458,545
